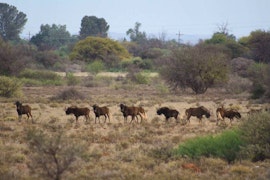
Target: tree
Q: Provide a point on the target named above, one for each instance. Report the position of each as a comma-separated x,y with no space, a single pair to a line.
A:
234,48
93,26
51,37
136,35
223,38
97,48
260,78
198,68
11,22
15,58
259,44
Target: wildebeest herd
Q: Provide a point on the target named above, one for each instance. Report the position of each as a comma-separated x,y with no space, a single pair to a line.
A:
135,111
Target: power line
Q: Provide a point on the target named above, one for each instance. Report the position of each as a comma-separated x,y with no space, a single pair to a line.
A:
179,35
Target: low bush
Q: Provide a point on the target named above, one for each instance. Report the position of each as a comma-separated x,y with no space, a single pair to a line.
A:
95,67
38,77
257,91
68,94
237,84
255,131
52,154
72,80
225,145
10,87
138,77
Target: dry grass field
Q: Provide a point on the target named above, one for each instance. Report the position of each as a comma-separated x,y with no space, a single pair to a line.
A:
119,150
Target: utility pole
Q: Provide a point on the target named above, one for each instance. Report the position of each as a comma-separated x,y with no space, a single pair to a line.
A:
179,35
29,36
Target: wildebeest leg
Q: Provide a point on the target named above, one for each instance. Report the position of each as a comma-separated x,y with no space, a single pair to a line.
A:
188,119
141,118
176,119
31,117
97,117
87,118
217,121
105,115
109,118
137,120
20,118
200,119
133,117
105,118
27,117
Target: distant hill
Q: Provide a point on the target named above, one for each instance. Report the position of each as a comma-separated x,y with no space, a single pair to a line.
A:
186,38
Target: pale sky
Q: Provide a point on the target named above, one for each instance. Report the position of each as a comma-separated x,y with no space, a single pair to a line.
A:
190,17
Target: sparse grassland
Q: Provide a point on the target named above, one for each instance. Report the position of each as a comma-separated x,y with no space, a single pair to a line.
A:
115,150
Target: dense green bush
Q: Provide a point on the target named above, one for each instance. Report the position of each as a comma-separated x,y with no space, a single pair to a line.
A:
225,145
95,67
256,132
10,87
97,48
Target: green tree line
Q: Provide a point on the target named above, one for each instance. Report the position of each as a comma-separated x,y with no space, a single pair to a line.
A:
199,67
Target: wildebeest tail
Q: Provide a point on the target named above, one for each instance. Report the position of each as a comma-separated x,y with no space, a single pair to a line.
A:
186,112
219,115
143,114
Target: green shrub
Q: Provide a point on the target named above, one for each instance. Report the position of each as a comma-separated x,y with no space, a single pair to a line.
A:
95,67
225,145
10,87
255,131
72,80
141,78
37,77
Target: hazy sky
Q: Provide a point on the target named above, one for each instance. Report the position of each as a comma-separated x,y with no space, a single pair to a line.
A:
199,17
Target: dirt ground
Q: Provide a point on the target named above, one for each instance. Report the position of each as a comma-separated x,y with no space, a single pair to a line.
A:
44,108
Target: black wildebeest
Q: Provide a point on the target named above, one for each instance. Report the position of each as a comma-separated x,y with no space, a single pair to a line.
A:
23,109
199,112
168,113
223,113
78,112
101,111
133,112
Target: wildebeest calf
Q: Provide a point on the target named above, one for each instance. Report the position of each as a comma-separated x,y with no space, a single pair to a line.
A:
78,112
199,112
23,109
101,111
168,113
133,112
223,113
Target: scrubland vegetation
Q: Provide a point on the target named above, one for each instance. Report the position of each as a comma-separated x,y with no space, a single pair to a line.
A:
52,71
55,147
